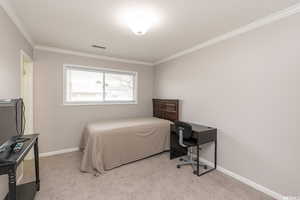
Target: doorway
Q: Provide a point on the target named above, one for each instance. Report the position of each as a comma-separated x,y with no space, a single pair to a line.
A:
27,90
26,87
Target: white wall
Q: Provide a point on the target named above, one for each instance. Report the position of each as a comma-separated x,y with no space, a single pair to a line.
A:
61,126
249,88
11,42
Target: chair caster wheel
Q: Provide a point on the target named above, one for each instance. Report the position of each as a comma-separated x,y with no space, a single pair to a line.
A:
205,166
180,159
195,172
178,166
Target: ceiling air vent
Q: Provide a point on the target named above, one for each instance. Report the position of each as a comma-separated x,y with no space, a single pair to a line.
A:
98,47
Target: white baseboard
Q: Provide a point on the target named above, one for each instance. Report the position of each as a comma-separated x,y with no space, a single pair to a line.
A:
246,181
52,153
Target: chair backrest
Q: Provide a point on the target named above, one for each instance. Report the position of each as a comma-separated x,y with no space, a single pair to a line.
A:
184,128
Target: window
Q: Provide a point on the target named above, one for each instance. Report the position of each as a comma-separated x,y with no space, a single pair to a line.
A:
86,85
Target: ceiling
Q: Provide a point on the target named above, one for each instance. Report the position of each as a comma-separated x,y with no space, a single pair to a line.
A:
77,24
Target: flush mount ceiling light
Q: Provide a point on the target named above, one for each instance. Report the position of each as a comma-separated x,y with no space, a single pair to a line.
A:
140,21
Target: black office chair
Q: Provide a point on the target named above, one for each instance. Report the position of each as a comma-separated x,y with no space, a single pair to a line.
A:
185,133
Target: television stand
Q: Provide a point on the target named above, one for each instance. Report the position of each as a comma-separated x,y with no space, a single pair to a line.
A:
9,166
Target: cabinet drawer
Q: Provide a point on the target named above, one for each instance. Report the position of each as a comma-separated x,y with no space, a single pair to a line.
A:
206,137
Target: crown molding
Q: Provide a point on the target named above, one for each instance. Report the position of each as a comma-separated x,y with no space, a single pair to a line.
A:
78,53
249,27
11,13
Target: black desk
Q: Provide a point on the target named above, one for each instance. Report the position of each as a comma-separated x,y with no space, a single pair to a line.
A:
9,166
203,135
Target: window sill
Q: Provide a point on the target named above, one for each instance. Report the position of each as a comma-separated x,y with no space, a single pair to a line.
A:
98,104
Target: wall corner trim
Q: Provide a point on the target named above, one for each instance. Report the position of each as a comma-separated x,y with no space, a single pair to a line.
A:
243,29
78,53
6,5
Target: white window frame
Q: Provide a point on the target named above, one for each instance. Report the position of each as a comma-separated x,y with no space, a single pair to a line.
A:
98,69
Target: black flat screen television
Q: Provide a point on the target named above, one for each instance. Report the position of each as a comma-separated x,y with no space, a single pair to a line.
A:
12,121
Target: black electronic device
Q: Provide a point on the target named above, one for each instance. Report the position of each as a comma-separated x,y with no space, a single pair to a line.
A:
12,124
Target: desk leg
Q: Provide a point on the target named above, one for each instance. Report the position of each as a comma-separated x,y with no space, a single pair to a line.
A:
198,161
12,184
37,167
216,154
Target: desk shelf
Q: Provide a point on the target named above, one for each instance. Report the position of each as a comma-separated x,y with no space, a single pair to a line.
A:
25,191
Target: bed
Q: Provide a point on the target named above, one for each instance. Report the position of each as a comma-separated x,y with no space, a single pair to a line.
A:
110,144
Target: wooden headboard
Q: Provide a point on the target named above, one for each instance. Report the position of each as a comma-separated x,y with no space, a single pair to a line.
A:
166,109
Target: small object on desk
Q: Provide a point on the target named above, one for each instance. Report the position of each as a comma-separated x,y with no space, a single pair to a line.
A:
3,150
4,154
22,139
18,147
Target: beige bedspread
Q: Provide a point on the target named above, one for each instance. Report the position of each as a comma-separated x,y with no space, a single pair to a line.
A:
109,144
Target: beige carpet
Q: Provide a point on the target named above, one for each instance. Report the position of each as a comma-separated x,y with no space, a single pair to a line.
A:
156,178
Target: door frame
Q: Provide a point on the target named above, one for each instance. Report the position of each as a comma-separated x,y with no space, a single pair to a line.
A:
24,57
